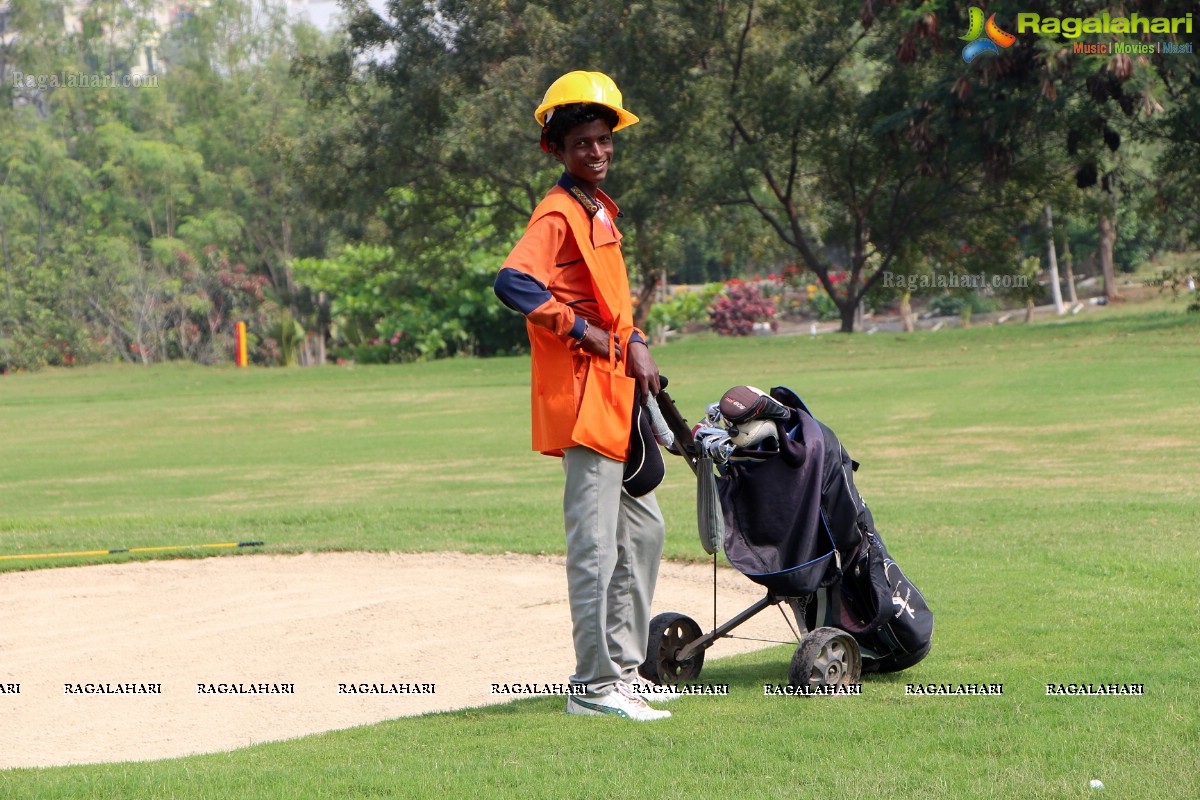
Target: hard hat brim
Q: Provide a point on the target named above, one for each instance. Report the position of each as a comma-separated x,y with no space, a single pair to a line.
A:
624,118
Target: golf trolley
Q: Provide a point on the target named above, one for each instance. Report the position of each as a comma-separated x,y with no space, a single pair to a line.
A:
825,657
774,488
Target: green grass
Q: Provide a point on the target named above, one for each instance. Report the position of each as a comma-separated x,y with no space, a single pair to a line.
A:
1037,482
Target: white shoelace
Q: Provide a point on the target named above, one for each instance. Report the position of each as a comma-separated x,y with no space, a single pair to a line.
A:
628,693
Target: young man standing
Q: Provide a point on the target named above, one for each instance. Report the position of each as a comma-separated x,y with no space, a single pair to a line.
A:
590,365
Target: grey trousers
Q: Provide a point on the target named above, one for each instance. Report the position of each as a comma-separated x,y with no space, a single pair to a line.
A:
614,545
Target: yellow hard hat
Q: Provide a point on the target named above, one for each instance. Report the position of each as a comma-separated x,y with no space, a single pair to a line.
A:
585,87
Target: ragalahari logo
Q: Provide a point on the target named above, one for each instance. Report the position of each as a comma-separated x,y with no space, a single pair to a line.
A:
996,38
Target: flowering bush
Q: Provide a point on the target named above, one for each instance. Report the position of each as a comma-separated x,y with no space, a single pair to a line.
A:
820,304
742,305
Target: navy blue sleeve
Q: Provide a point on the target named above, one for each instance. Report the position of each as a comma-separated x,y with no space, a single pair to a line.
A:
519,291
524,293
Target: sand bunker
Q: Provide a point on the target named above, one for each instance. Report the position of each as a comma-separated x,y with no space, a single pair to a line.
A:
150,660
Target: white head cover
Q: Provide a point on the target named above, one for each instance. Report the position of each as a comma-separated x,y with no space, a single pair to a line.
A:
754,432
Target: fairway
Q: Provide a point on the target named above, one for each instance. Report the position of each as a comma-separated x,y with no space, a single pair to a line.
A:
1038,483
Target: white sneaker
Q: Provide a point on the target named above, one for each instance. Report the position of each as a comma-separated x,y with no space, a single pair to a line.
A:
650,691
619,703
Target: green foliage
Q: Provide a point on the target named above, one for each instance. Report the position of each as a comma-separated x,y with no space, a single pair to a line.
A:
1179,280
1024,287
123,210
822,305
956,304
1178,160
686,307
285,338
1141,232
387,308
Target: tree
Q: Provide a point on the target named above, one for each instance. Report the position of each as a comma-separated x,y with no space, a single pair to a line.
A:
123,210
1178,160
158,177
862,159
433,147
1094,106
1052,260
43,222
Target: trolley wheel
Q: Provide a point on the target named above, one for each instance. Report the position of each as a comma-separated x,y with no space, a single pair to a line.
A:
670,633
826,657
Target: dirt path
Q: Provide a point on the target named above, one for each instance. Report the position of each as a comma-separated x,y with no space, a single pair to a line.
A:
308,623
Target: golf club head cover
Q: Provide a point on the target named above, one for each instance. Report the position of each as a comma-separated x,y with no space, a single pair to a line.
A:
644,467
745,403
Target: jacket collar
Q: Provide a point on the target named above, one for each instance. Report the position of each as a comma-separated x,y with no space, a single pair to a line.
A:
592,207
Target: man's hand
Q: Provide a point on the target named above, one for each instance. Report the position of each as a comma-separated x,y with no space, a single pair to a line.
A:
597,341
641,367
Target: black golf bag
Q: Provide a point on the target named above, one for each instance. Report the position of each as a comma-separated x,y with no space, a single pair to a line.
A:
796,524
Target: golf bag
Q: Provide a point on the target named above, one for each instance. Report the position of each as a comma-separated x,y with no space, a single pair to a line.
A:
796,524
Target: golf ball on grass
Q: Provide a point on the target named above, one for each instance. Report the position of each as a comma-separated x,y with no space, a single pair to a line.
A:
1095,784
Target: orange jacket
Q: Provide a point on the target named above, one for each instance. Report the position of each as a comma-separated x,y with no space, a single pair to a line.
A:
570,253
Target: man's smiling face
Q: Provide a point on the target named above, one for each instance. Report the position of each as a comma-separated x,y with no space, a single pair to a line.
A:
586,153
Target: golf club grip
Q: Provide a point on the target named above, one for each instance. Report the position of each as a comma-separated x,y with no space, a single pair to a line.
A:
679,427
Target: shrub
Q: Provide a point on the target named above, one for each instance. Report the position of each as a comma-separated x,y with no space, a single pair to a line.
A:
388,309
821,305
955,304
742,305
684,307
